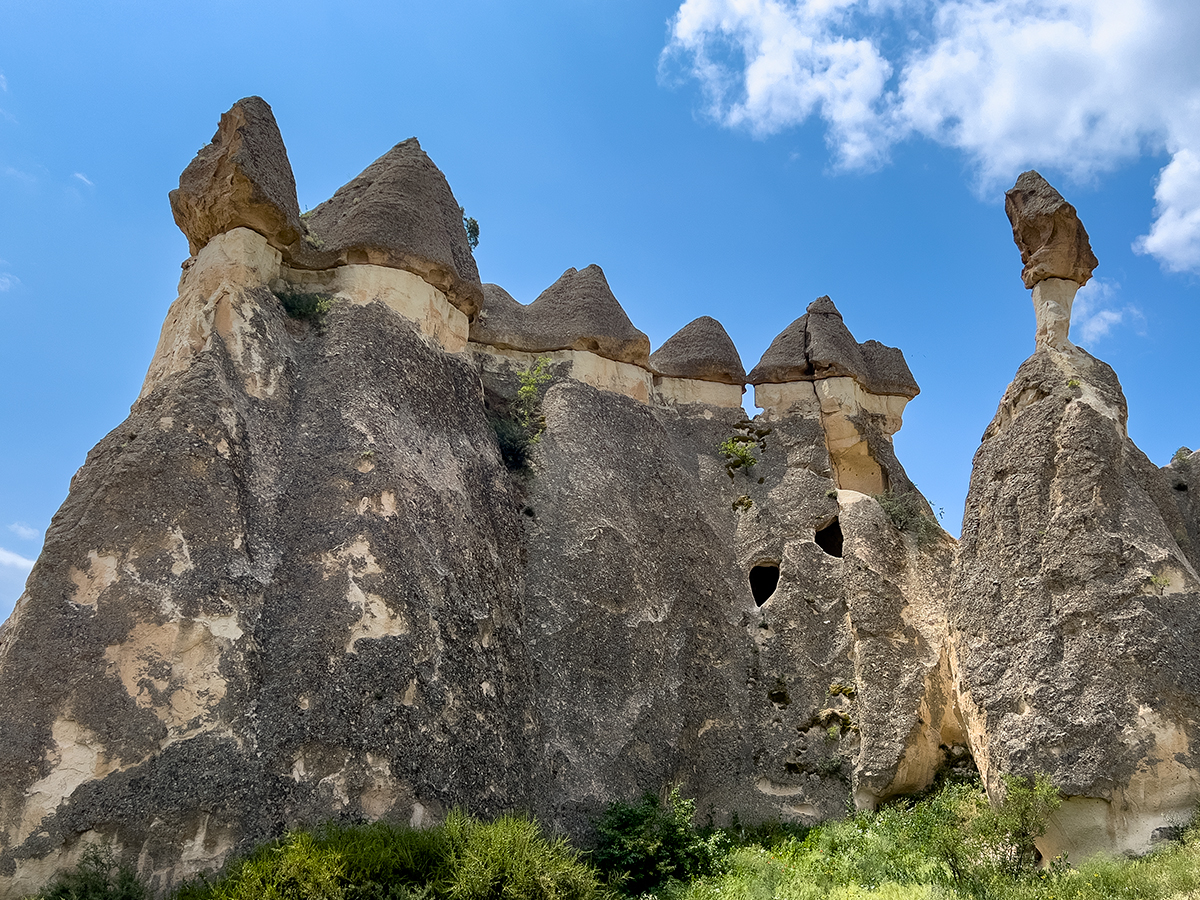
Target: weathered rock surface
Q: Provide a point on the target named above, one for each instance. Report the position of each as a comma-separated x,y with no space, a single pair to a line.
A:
1052,240
700,350
242,178
818,345
399,212
577,312
1076,613
298,584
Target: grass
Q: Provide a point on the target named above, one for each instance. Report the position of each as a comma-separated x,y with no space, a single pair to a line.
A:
947,845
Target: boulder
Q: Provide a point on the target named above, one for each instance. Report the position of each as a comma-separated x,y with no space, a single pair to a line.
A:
819,345
1052,240
701,350
241,178
577,312
399,212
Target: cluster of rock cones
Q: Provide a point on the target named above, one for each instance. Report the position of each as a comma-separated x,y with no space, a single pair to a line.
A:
299,583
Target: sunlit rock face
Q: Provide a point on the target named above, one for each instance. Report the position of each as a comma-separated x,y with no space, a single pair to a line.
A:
1075,613
299,583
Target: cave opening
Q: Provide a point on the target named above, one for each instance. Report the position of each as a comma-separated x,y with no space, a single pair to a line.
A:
830,539
764,578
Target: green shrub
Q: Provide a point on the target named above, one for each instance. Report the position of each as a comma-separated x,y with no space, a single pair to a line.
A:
471,227
907,512
96,877
464,859
305,306
646,844
737,454
520,427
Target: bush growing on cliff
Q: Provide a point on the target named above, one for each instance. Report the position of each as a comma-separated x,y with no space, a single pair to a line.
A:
521,426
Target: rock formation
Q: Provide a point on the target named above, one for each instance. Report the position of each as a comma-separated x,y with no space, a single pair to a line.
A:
242,178
700,350
862,390
300,583
1056,252
1076,610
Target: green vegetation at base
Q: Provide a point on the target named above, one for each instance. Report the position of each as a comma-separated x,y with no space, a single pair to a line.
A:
949,844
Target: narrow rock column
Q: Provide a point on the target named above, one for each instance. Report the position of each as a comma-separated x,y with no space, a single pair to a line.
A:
1056,252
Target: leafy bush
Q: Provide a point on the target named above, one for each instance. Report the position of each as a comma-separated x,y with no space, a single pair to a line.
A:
646,844
97,877
907,512
521,427
305,306
463,859
471,227
737,454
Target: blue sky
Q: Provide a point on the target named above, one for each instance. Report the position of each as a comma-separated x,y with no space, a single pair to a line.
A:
733,158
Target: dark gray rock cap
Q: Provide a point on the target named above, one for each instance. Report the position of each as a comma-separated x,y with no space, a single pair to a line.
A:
242,178
1048,232
577,312
702,350
819,345
401,213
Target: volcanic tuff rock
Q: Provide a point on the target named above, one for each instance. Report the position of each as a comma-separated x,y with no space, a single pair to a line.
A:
577,312
241,178
299,583
1076,612
1052,240
400,212
702,350
818,345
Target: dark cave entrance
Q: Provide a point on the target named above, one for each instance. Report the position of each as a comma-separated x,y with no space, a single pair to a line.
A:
829,538
764,578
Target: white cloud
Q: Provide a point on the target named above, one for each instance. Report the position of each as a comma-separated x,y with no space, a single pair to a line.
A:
84,179
1079,85
1096,312
8,282
23,531
12,560
3,83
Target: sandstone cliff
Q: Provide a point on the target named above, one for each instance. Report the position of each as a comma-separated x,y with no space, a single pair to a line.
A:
300,583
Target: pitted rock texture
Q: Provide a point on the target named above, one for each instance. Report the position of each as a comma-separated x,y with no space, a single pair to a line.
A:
399,212
1075,612
1047,231
577,312
701,349
242,178
298,584
818,345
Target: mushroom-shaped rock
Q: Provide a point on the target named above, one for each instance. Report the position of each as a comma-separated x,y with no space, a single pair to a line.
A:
401,213
701,350
819,345
577,312
1047,230
241,179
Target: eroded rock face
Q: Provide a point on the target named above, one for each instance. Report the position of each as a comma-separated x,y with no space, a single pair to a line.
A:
242,178
399,212
1052,240
577,312
818,345
1076,613
700,350
298,584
